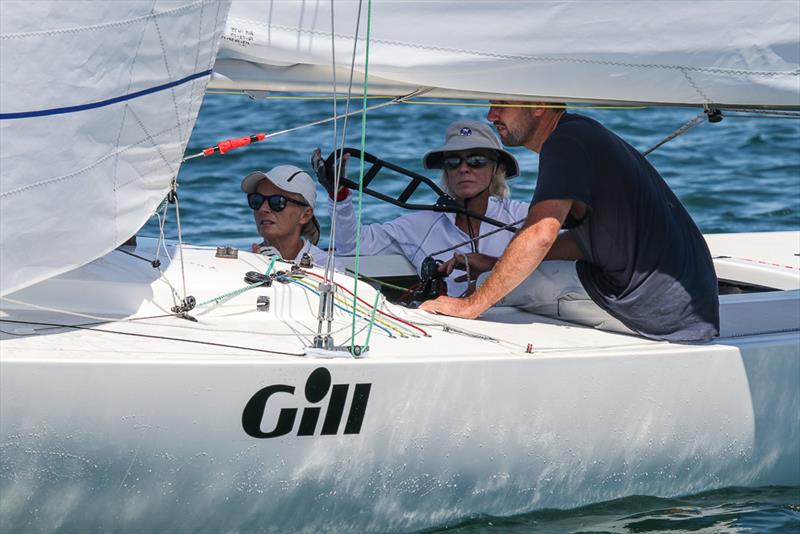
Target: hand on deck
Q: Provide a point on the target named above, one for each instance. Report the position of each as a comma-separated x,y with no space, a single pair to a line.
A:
520,259
452,306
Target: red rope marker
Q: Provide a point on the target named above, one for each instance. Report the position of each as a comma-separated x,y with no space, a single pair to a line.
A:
228,145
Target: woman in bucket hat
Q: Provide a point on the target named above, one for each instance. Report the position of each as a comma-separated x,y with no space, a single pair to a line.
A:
282,200
474,171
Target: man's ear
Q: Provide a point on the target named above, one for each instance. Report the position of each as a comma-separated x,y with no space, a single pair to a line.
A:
538,112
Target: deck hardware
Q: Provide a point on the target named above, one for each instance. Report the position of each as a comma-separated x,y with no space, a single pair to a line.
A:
262,303
325,313
713,115
185,306
305,261
454,330
254,277
172,196
227,252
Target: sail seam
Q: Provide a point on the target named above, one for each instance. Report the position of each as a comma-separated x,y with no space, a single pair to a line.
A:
104,26
89,167
153,142
169,72
103,103
551,59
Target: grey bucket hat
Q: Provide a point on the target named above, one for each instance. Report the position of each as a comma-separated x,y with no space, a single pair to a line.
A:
464,135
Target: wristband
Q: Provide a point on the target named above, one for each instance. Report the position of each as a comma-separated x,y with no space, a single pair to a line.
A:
341,195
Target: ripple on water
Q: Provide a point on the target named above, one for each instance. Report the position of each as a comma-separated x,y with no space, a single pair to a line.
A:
763,510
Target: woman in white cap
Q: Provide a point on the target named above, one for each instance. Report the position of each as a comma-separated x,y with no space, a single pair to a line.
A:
282,200
474,171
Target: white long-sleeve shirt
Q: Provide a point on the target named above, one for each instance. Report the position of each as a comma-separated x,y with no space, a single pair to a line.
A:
319,256
421,233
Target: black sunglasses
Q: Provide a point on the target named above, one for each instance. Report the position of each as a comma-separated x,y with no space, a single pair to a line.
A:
474,161
276,202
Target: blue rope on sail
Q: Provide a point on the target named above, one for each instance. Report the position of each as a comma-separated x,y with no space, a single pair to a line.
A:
103,103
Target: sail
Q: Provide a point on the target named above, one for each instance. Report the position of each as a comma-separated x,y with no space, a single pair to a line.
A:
96,106
727,53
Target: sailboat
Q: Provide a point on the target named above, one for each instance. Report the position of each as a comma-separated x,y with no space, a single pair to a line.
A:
152,385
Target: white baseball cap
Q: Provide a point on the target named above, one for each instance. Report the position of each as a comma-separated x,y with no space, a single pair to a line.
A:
287,177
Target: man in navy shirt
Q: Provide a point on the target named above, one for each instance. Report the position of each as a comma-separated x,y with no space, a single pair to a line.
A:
637,253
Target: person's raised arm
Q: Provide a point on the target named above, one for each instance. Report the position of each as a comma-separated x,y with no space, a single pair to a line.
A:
523,255
397,236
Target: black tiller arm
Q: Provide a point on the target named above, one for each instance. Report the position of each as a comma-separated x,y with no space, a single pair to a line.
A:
445,203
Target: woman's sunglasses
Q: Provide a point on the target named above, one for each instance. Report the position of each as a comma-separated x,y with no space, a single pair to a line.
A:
276,202
474,161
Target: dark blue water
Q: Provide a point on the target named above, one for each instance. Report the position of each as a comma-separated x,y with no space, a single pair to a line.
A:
740,175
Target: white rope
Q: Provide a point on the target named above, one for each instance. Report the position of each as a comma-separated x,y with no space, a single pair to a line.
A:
337,162
466,269
180,238
477,237
396,100
699,119
161,223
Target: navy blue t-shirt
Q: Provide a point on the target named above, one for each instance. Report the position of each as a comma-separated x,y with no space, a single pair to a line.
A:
644,260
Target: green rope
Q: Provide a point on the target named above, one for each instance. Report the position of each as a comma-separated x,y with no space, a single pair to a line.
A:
241,290
371,321
361,175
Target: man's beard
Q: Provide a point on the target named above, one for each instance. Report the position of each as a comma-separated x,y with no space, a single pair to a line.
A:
512,138
518,136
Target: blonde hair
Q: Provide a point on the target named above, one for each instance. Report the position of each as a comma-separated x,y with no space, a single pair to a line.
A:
498,187
310,230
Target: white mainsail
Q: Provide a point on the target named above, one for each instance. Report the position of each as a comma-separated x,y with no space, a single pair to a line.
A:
97,104
727,53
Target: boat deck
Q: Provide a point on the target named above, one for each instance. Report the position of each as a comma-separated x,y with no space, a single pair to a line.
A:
120,295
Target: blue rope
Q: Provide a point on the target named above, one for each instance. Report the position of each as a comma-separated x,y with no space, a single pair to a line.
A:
102,103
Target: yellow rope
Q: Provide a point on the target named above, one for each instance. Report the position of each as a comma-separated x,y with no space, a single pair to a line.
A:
519,105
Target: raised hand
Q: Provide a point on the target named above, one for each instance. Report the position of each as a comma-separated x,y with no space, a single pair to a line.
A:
326,178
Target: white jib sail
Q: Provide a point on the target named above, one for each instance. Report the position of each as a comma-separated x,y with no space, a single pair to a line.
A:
730,53
97,103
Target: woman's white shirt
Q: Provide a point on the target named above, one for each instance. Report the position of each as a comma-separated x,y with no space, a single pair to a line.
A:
421,233
317,254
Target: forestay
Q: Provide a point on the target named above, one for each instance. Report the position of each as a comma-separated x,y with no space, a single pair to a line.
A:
97,104
729,53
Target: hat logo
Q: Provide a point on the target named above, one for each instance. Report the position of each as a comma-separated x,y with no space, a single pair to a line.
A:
292,176
465,131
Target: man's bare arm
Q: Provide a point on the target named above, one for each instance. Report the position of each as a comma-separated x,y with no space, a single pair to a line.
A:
525,252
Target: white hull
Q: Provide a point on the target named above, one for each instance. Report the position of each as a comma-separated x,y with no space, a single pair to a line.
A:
105,431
